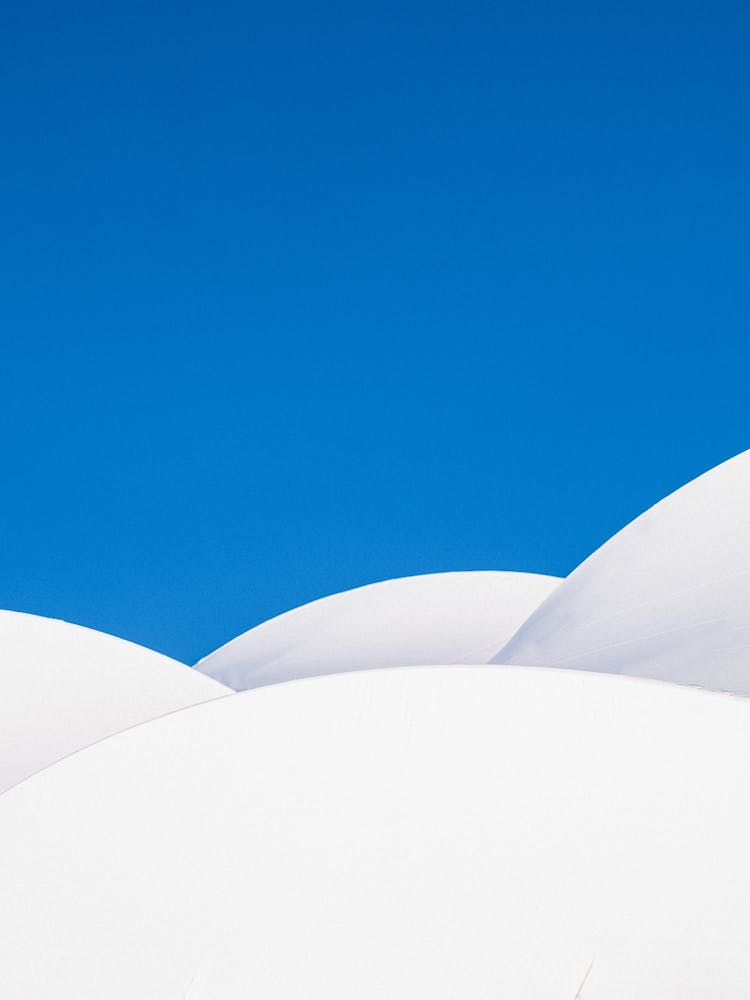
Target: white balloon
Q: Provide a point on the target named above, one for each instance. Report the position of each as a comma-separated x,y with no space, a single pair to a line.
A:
440,832
436,618
63,687
667,597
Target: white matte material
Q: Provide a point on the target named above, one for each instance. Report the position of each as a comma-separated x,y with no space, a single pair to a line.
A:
63,687
436,618
667,597
434,833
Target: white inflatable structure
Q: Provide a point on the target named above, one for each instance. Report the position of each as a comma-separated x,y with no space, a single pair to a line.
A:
63,687
667,597
489,828
436,618
436,832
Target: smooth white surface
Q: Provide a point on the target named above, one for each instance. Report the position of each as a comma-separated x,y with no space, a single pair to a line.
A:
436,618
441,833
667,597
63,687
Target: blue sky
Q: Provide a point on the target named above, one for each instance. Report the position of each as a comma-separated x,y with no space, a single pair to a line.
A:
296,297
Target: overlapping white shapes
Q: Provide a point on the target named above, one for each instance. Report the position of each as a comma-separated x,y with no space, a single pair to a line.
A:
438,832
63,687
419,831
667,597
436,618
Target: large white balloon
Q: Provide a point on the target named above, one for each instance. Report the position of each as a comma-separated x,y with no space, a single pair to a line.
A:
63,687
436,618
667,597
439,832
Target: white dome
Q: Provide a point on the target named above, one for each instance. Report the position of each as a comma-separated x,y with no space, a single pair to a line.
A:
63,687
441,832
667,597
436,618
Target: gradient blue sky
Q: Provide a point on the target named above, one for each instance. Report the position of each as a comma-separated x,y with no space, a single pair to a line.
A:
296,297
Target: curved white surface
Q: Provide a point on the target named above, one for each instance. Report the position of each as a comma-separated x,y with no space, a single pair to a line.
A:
667,597
63,687
438,832
435,618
